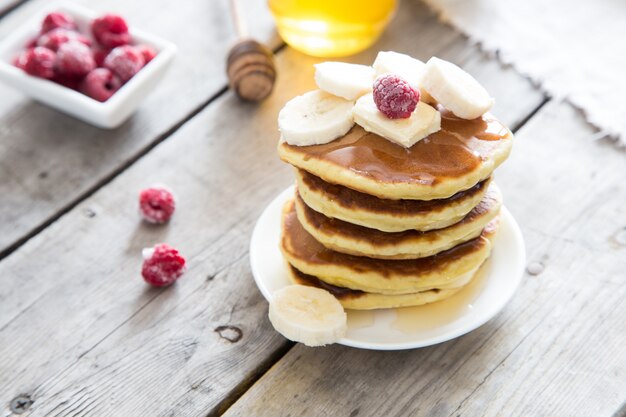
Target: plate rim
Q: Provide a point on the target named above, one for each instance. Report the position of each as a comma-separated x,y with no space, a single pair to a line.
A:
517,276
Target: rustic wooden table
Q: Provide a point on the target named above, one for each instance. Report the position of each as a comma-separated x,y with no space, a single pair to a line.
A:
81,334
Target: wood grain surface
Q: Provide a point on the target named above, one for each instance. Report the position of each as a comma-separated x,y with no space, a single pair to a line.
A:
49,161
81,334
557,349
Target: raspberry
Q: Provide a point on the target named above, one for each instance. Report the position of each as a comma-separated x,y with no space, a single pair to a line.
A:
394,97
74,59
162,265
56,37
156,204
125,61
65,81
99,54
147,52
100,84
38,61
31,43
57,20
110,31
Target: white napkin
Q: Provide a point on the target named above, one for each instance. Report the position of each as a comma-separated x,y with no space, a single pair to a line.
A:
574,49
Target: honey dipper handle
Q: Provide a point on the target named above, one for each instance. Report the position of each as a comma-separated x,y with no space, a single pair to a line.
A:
240,23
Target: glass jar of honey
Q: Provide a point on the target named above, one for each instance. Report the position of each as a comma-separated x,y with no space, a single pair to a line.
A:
331,28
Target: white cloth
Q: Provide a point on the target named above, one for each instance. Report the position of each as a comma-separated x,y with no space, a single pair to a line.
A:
574,49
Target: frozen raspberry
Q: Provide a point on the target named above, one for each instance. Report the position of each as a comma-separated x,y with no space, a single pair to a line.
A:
110,31
394,97
74,59
125,61
156,204
57,20
31,43
99,54
57,37
147,52
100,84
38,61
162,265
65,81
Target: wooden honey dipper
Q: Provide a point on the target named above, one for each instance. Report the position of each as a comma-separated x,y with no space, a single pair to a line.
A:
250,64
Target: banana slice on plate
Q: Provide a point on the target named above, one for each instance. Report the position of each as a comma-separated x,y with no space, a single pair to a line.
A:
455,89
315,118
349,81
308,315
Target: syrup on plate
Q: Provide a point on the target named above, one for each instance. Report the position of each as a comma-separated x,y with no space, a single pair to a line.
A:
434,315
358,319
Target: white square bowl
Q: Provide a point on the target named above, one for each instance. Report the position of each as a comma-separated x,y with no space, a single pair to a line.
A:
108,114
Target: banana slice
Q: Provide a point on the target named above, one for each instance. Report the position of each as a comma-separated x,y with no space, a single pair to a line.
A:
409,68
315,118
307,315
349,81
455,89
406,132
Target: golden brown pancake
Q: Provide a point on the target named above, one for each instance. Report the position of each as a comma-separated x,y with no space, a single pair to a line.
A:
461,154
377,275
357,240
359,300
337,201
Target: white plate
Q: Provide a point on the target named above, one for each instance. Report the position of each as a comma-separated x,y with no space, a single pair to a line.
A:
409,327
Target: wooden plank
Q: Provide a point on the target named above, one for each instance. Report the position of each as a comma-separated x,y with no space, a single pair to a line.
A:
557,349
99,342
49,160
89,307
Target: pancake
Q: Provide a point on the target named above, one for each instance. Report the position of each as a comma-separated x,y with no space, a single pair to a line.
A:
359,300
383,276
362,241
343,203
460,155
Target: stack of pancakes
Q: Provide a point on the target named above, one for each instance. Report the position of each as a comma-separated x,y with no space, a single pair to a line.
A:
380,226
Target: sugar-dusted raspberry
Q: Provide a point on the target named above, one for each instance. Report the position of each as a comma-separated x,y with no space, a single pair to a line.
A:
156,204
100,84
57,20
394,96
74,59
125,61
31,43
147,52
67,81
57,37
38,61
162,265
110,31
99,54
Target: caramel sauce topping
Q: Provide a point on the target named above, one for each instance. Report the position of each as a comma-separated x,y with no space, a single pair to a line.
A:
456,150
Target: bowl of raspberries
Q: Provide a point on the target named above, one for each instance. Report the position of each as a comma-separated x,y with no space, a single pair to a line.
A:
93,67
